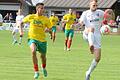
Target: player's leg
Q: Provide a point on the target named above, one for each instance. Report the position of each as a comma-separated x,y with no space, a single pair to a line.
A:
21,35
97,54
53,33
85,36
43,65
14,36
34,57
42,50
91,39
20,38
71,33
53,36
66,39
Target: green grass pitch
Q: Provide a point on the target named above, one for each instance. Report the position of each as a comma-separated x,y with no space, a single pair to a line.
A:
16,63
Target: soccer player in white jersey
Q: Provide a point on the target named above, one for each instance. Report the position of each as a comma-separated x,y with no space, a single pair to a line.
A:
16,29
92,19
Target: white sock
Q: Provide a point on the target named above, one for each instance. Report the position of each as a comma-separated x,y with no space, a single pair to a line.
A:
14,37
92,66
36,72
20,40
91,38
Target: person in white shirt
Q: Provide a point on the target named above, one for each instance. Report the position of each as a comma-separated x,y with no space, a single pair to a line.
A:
16,29
92,19
1,21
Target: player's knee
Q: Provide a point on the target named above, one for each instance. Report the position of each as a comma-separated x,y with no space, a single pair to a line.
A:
54,36
97,59
33,52
91,29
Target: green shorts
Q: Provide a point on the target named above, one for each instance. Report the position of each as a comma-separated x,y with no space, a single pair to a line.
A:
69,33
54,29
40,46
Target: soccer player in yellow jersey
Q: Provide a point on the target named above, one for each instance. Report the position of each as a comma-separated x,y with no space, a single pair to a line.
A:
36,37
54,21
69,19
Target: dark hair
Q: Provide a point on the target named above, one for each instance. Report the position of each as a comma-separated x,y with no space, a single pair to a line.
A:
93,0
39,4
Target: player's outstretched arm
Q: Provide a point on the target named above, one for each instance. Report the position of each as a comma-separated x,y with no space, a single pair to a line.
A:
79,24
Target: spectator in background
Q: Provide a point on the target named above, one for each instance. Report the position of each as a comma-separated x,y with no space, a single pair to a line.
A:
6,18
10,17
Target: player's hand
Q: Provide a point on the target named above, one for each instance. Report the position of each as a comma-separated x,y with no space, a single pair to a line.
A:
47,30
72,26
66,21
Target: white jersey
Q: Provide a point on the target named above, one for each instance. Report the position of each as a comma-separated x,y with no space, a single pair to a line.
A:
19,19
92,19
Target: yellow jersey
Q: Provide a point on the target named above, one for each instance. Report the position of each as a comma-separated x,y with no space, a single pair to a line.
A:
54,20
71,19
38,24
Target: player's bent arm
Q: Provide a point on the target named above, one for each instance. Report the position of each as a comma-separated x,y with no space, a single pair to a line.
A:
80,23
49,30
64,21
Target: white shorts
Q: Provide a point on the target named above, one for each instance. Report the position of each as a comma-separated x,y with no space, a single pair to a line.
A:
97,40
16,29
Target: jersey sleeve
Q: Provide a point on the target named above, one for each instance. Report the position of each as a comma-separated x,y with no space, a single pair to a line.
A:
48,24
83,17
26,19
65,17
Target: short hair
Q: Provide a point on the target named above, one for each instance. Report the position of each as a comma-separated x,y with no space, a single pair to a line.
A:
39,4
93,0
